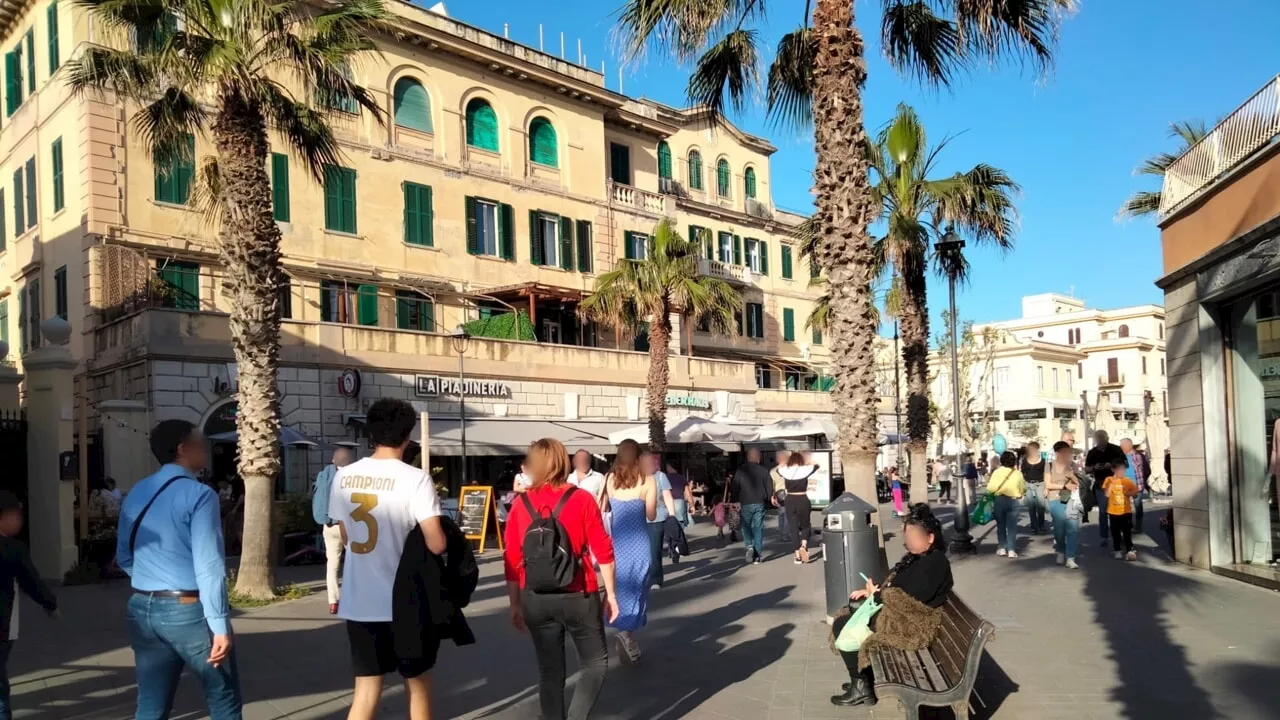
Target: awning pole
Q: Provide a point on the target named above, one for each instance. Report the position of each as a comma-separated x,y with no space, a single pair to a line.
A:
424,439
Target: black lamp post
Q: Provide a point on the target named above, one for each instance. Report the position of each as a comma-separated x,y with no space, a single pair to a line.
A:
460,339
948,249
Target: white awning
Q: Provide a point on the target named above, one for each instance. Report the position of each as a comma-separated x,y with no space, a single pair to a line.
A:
502,437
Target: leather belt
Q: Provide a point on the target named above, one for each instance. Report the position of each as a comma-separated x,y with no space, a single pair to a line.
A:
180,594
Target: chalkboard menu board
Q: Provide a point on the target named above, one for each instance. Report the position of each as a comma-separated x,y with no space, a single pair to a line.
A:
475,508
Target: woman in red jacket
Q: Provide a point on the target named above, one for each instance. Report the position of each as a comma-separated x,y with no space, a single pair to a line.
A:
576,609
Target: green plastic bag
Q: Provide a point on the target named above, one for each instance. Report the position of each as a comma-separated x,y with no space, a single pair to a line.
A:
858,629
984,510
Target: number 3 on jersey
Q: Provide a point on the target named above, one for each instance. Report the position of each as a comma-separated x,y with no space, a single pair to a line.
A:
365,503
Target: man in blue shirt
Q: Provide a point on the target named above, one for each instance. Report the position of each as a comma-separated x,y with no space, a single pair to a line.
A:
329,530
666,506
170,543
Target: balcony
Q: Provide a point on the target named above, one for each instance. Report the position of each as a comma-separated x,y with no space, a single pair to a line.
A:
1239,135
1111,381
671,186
757,209
638,199
731,273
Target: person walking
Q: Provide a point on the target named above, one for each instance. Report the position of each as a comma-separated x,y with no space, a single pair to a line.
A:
574,609
797,507
633,500
1120,491
378,502
16,572
652,465
1008,485
754,491
1098,462
1138,471
330,534
681,495
169,542
1032,468
1063,486
942,472
779,486
895,483
585,478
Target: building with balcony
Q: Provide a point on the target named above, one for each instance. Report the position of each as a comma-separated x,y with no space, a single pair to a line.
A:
502,183
1220,233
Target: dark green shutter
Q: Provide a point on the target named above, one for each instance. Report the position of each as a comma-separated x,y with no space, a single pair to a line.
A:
33,193
749,180
817,336
412,105
628,245
695,170
4,236
332,198
507,232
349,200
786,262
12,81
620,163
788,325
31,60
183,280
59,196
722,178
566,243
4,320
326,301
60,292
19,210
417,215
764,257
51,20
473,233
737,249
414,311
586,250
367,304
543,144
664,160
751,320
280,187
482,125
760,319
814,269
22,320
535,238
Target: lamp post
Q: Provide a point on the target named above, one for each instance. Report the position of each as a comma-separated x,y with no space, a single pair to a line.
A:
897,397
948,249
460,339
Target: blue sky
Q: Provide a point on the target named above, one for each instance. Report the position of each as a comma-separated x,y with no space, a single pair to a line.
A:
1125,69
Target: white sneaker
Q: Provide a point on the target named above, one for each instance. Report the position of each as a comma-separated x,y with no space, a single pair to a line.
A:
1001,552
1131,555
1013,554
1071,565
1119,554
1062,558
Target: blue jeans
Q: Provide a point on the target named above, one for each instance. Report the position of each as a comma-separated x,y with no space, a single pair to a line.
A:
1104,525
1066,530
1007,510
682,512
1137,514
167,635
655,554
6,646
753,528
1034,500
782,523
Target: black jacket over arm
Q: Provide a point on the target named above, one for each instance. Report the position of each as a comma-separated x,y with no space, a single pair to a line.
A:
16,565
430,592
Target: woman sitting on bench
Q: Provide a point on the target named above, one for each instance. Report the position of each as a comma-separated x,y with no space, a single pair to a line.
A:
911,597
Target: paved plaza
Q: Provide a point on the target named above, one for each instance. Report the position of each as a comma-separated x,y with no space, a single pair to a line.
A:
1113,640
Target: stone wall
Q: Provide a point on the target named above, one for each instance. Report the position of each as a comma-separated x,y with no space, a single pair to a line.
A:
1186,425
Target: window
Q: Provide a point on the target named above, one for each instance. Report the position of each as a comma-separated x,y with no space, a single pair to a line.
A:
1055,379
3,232
284,297
51,25
1124,331
550,240
1113,370
817,336
640,343
60,292
695,170
791,379
700,239
725,248
635,246
490,229
19,205
280,187
414,311
59,195
179,284
412,105
723,176
1144,366
336,301
418,215
758,256
367,304
152,39
814,269
1040,377
764,376
22,321
33,313
737,249
339,199
31,60
543,146
13,71
749,182
336,99
664,160
173,174
788,325
620,163
1161,331
1162,368
787,269
1002,379
4,321
32,193
1067,373
1080,370
755,320
586,250
482,125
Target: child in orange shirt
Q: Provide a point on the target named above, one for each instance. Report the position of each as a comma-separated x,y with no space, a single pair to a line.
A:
1120,491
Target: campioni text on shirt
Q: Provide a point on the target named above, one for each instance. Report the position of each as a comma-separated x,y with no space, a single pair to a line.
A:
367,482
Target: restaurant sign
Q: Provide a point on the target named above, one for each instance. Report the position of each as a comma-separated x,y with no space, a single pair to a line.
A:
1036,414
689,401
435,386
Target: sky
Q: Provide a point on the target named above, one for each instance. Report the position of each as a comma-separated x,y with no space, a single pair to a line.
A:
1071,138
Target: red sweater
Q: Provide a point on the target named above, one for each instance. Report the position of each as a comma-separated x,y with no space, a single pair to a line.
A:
581,520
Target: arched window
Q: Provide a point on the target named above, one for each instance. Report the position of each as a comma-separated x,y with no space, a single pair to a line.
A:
1124,331
695,170
543,148
412,105
749,181
482,125
664,160
722,178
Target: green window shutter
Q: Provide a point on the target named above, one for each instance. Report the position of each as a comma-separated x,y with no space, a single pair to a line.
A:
60,292
174,175
507,232
764,257
280,187
332,198
482,125
326,300
349,200
737,249
586,250
59,196
19,209
4,321
33,193
786,262
566,243
22,321
404,311
788,325
51,21
751,320
12,81
473,232
722,178
31,60
749,181
695,170
628,245
427,215
4,235
535,237
620,163
664,160
814,269
183,283
367,304
417,214
543,144
817,336
412,105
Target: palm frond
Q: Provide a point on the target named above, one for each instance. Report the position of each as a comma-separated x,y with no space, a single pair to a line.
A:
820,316
920,43
980,203
789,93
123,73
1189,131
165,123
304,128
726,74
681,27
1142,203
1018,29
1157,165
206,192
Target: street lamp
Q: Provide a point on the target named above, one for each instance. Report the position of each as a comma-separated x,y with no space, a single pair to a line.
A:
460,339
948,249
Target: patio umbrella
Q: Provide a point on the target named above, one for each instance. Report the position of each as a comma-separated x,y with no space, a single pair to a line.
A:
1102,417
691,429
1157,442
798,428
288,437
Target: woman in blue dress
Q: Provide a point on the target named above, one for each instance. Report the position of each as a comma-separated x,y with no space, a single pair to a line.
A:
633,500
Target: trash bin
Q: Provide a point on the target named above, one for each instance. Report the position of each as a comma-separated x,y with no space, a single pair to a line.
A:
850,546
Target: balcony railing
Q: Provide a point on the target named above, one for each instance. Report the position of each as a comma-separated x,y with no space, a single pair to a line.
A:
1111,380
1250,127
671,186
755,208
725,271
637,198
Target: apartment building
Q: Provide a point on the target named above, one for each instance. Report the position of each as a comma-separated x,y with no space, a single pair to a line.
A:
501,184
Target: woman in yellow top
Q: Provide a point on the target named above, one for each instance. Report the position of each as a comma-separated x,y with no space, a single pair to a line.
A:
1007,484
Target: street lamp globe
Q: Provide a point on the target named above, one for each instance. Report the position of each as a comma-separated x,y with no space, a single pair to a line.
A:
460,339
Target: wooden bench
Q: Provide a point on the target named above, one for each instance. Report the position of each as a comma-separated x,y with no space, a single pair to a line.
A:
942,675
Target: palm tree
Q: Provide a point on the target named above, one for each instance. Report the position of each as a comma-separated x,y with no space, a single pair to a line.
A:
1146,202
650,290
915,210
229,70
816,77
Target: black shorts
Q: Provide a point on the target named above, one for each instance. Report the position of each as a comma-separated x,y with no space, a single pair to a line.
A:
373,652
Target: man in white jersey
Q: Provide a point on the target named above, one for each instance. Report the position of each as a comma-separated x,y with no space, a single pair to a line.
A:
377,502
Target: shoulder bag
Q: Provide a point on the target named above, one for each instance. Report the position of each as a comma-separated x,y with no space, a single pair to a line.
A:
984,509
137,523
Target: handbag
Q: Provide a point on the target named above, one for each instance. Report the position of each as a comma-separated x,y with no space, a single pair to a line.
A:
858,629
984,509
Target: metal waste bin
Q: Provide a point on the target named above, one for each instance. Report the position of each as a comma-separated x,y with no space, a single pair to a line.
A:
850,546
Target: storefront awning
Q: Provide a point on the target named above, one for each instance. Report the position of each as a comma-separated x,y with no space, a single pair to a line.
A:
502,437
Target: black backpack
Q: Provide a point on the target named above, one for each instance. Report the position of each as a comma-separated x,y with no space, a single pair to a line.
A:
550,565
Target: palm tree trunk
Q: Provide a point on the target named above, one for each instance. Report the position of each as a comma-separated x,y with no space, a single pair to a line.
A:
250,251
844,246
659,379
914,325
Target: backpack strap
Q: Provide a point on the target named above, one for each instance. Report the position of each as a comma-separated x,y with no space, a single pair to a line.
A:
137,523
563,499
524,500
